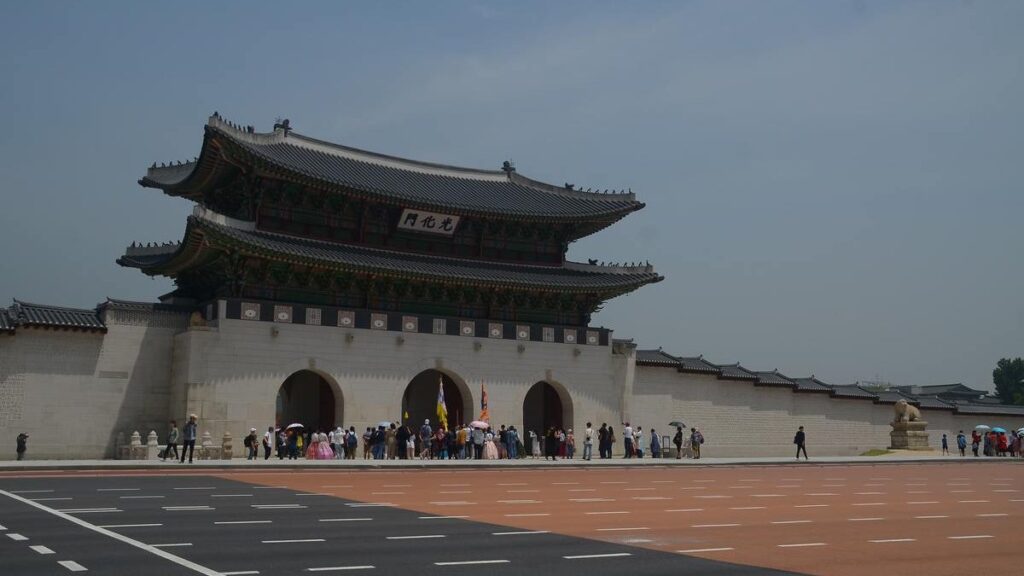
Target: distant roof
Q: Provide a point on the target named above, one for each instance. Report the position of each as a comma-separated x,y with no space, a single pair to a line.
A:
571,276
656,358
811,384
6,323
697,364
410,183
42,315
851,391
994,409
735,372
774,378
936,389
933,402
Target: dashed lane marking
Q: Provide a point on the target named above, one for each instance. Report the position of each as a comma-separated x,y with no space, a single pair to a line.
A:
130,541
470,562
768,495
520,502
791,522
662,481
512,484
172,545
999,515
591,499
87,510
344,519
873,519
870,493
589,556
713,525
195,488
889,540
187,508
72,565
801,545
277,506
334,568
295,541
240,573
235,522
712,496
748,508
869,504
51,499
811,506
1005,490
118,489
111,526
972,501
703,550
628,529
153,497
685,510
520,533
31,491
923,502
41,550
972,537
417,537
930,517
17,537
233,495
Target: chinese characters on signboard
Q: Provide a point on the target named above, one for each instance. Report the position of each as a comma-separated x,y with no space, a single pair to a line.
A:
419,221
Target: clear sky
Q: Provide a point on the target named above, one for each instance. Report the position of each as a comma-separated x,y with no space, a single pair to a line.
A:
832,187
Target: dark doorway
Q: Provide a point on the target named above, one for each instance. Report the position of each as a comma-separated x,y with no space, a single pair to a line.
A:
306,397
543,408
420,400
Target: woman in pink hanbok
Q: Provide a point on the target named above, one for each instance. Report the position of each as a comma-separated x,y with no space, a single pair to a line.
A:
311,450
324,451
490,450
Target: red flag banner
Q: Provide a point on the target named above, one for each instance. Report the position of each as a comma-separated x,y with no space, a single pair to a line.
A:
485,414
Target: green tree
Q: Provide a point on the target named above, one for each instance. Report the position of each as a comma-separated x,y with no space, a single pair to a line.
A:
1009,380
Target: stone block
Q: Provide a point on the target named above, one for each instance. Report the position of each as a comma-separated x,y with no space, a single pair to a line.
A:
909,435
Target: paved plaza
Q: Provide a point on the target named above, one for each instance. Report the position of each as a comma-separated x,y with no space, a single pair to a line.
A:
840,518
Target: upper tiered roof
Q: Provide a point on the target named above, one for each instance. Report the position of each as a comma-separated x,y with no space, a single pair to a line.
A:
409,183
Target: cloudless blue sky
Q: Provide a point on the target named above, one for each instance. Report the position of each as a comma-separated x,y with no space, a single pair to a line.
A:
831,187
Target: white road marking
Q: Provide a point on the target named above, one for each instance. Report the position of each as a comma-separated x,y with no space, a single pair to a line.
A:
130,541
651,498
791,522
419,537
31,491
196,488
864,519
118,489
869,503
888,540
712,496
234,495
991,515
768,495
1016,500
512,484
337,568
972,501
930,517
685,510
630,529
86,510
2,527
614,482
788,486
702,550
564,483
240,573
519,502
296,541
520,491
748,508
50,499
869,493
446,485
470,562
174,545
396,485
527,515
41,550
587,556
591,499
455,492
811,506
604,513
233,522
821,494
1005,490
582,489
72,565
129,525
974,537
520,533
277,506
187,508
646,489
803,545
923,502
344,519
141,497
713,525
17,537
662,481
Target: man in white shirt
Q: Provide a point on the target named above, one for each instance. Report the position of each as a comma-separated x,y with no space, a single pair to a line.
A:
627,439
588,441
638,442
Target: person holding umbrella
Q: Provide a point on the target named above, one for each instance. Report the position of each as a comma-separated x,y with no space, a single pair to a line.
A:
975,441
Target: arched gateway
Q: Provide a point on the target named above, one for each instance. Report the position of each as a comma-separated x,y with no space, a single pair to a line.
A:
420,399
310,398
547,405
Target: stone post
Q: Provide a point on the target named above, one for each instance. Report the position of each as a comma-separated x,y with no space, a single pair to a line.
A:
137,450
152,447
227,451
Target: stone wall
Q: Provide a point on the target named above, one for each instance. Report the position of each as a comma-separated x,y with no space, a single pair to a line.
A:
738,418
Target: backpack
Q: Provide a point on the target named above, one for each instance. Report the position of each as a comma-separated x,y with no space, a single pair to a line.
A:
247,442
351,440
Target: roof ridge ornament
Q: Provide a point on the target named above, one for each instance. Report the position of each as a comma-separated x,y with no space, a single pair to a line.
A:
284,125
509,167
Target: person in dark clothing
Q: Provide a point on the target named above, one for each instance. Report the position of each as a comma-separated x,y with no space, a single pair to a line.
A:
551,444
801,443
402,438
678,441
188,442
22,445
603,449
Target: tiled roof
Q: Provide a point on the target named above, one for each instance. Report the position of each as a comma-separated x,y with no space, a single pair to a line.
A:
773,378
697,364
655,358
6,323
571,276
811,384
27,314
112,303
892,397
735,372
933,402
851,391
998,409
411,183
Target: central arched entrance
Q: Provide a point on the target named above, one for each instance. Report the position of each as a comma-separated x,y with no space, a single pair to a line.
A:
419,402
309,398
546,405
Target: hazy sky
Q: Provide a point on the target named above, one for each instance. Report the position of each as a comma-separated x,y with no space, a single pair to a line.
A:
832,187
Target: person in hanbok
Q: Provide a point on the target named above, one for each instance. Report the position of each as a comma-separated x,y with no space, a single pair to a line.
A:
534,444
570,444
490,450
311,446
325,450
339,440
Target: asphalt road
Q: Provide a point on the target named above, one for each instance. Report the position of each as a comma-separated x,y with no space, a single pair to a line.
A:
171,525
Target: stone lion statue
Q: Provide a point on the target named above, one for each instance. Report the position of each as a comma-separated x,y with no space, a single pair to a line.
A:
906,412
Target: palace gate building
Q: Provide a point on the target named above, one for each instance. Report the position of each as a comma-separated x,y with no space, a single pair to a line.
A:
327,285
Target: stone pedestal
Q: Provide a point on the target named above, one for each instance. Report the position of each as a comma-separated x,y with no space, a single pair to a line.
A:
909,436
